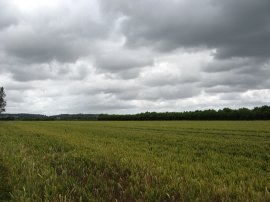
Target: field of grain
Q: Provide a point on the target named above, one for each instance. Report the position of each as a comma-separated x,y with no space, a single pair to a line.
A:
135,161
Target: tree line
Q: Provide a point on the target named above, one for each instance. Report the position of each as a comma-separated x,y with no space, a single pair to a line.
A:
257,113
41,117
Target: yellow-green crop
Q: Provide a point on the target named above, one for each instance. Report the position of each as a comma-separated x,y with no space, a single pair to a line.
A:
135,161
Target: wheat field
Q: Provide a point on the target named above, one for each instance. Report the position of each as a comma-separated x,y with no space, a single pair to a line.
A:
135,161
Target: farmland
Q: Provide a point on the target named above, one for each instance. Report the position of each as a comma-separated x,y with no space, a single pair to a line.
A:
128,161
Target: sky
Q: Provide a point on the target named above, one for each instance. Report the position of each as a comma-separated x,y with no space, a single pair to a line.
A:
124,56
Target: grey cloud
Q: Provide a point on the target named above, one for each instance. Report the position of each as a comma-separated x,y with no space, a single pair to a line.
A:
108,106
236,75
165,78
129,74
122,60
64,34
7,15
170,92
122,56
215,88
34,72
122,63
235,28
18,86
106,86
94,105
135,89
160,93
124,74
35,48
243,81
228,65
230,96
45,71
233,83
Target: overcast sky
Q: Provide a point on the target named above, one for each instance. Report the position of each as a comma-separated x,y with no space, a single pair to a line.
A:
126,56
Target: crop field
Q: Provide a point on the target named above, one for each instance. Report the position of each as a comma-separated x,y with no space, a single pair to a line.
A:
135,161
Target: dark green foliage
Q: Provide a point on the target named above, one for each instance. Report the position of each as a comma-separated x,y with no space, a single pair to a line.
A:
2,100
258,113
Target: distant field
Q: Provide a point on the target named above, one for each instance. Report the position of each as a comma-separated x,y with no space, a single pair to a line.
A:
128,161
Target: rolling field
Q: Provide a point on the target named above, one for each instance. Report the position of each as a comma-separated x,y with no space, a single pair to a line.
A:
135,161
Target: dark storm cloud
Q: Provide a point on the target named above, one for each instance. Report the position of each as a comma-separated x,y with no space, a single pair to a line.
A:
234,28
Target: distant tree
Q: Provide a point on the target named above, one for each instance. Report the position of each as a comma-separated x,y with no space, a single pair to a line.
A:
2,100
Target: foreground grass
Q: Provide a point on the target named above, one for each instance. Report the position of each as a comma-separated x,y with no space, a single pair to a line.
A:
135,161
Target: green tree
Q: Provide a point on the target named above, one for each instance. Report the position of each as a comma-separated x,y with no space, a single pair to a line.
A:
2,100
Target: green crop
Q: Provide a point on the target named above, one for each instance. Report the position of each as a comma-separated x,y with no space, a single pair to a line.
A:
135,161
